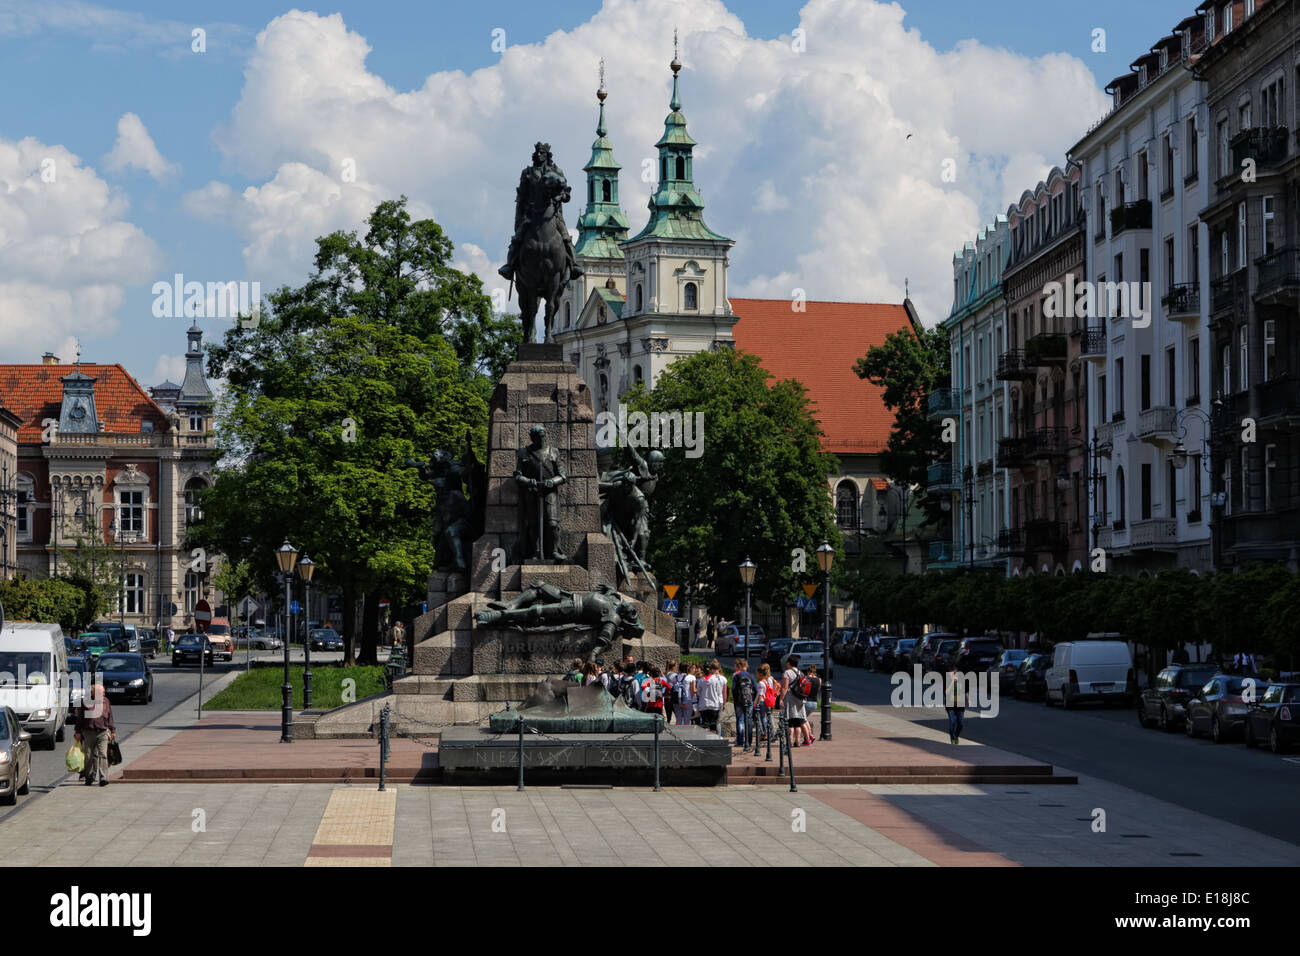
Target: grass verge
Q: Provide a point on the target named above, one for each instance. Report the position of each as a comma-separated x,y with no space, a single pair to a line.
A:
259,689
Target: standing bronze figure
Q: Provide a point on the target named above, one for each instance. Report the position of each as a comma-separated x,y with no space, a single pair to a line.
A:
541,260
539,474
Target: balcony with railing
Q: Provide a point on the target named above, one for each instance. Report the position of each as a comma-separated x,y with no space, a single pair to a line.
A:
1092,341
1159,423
1045,349
1014,452
1183,302
1047,442
940,476
1044,534
1105,433
1012,366
1277,276
1011,541
943,401
1103,535
1279,398
1131,215
945,552
1226,291
1266,145
1226,416
1154,534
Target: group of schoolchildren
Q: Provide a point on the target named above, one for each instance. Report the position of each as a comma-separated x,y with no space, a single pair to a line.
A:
693,693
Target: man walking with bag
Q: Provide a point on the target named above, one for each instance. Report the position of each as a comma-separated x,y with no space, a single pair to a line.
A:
95,728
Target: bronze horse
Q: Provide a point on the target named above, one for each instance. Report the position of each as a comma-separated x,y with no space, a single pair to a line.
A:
542,270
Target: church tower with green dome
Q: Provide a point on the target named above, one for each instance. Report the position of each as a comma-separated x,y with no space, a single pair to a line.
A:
669,297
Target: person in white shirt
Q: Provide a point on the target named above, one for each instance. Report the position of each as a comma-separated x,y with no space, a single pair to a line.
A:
791,706
712,692
686,688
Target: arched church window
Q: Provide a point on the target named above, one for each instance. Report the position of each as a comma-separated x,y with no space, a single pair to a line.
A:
636,374
681,168
605,191
638,298
846,505
692,296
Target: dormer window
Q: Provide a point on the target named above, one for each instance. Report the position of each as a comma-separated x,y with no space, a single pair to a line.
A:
196,421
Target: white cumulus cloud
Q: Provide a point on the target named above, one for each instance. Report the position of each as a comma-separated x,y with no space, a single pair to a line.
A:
135,148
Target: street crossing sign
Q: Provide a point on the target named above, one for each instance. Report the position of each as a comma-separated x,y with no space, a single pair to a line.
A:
671,591
806,604
670,607
810,589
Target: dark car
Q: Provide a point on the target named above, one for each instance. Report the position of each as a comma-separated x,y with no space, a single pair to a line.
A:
1165,701
79,676
1219,707
149,642
186,650
777,650
1274,717
1006,666
841,640
944,654
904,653
74,646
925,648
120,640
94,644
1031,677
326,639
977,653
882,657
858,649
126,677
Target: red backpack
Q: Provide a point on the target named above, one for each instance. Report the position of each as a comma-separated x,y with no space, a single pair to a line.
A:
805,687
769,694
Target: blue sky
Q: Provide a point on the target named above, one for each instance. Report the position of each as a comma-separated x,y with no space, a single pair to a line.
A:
224,122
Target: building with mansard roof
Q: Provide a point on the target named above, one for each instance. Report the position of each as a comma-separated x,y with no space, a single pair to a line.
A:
100,457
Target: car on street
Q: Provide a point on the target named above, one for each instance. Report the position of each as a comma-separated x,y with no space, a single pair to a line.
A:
1219,708
841,640
118,637
1165,702
778,649
881,657
326,639
79,677
266,641
1090,670
975,654
810,653
126,677
1006,666
95,643
926,646
732,640
857,649
223,641
15,757
944,654
1275,717
149,642
1031,677
905,653
33,675
187,648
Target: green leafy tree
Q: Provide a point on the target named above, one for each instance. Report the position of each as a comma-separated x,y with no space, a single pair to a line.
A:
759,488
49,600
908,365
236,580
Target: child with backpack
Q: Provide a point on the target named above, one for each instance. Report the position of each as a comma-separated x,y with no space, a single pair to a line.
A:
768,689
743,692
654,692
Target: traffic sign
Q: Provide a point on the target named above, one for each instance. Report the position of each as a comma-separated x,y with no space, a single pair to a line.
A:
810,589
670,607
671,591
202,615
247,607
806,604
383,602
294,607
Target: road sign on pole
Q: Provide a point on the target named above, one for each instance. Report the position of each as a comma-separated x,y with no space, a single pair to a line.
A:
202,616
670,607
294,607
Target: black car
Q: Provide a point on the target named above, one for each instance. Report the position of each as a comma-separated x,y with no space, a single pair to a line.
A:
1275,717
840,640
1165,702
977,653
882,657
149,643
905,653
326,639
186,650
126,677
1031,677
1006,666
777,650
925,648
79,675
119,640
1219,707
859,650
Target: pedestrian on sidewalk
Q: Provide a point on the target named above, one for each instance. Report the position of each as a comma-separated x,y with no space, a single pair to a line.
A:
590,674
95,728
743,692
954,701
809,707
713,697
712,630
399,635
686,694
791,704
768,690
574,674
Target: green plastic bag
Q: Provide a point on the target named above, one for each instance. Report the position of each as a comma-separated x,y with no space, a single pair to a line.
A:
76,758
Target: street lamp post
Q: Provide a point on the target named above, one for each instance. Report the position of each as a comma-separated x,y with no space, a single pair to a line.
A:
747,571
306,567
825,558
285,556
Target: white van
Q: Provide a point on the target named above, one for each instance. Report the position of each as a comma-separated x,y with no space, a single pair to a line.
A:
1091,670
34,678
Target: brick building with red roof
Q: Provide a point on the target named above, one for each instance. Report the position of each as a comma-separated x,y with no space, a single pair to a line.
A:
99,457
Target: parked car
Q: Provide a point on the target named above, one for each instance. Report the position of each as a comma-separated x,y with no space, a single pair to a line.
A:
732,640
1275,717
186,650
778,649
1218,708
33,675
905,653
95,643
881,658
266,641
149,642
79,677
223,641
326,639
1090,670
1165,702
841,638
944,654
116,631
857,649
126,677
810,653
977,653
926,646
15,757
1031,677
1006,666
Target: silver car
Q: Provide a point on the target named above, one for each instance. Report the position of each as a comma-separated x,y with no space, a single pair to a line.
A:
15,757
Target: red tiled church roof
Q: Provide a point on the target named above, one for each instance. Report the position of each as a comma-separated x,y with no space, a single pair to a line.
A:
34,393
819,347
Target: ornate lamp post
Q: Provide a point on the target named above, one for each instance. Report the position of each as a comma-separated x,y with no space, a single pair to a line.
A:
747,571
825,558
306,567
285,556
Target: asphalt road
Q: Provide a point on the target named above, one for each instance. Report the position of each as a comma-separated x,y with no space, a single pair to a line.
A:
1251,788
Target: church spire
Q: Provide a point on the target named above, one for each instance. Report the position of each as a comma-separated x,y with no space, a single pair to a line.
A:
676,209
602,225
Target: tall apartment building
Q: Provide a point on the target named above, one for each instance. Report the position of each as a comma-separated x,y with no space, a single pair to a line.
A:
1045,448
1252,353
975,406
1145,180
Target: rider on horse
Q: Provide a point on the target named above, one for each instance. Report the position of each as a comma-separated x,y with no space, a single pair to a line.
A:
543,178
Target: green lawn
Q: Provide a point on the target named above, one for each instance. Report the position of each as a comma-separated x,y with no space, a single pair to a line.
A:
259,689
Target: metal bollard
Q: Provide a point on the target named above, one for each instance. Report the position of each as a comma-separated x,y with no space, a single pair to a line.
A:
384,717
658,788
521,753
781,745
